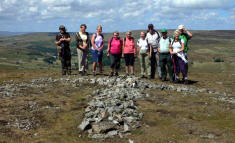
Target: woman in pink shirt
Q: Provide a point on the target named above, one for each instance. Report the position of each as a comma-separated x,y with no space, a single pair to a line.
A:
114,51
129,52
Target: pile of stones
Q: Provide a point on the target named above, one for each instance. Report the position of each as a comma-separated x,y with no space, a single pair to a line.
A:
112,111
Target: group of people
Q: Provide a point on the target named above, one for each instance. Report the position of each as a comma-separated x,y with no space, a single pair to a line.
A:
155,50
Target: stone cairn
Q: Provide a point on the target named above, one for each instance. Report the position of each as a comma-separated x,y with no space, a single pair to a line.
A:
112,111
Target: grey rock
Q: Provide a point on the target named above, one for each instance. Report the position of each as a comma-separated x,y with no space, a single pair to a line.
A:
111,133
83,125
103,127
126,127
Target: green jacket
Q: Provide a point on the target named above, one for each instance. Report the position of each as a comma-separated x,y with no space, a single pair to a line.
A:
185,37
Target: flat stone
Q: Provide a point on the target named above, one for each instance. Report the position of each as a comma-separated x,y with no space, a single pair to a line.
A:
83,125
103,127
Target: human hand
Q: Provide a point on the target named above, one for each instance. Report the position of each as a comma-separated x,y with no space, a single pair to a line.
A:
185,29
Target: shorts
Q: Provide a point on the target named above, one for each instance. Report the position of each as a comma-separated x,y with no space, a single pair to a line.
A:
97,55
130,59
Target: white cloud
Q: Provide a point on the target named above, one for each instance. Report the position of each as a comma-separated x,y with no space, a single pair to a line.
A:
116,14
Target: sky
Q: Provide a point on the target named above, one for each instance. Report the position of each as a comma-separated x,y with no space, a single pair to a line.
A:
121,15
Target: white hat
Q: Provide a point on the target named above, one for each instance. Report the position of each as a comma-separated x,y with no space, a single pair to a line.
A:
181,26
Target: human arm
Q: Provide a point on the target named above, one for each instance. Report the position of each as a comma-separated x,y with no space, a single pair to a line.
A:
171,50
93,42
102,45
188,32
108,49
150,51
123,46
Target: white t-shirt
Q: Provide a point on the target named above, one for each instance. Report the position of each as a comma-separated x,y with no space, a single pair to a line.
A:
143,44
154,40
176,47
84,38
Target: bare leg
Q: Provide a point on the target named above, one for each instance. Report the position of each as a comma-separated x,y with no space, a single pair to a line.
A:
94,66
127,69
132,69
101,67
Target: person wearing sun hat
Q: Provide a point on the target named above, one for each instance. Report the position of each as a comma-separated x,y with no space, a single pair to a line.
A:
62,41
165,56
186,35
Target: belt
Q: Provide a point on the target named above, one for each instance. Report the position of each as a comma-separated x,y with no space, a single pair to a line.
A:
165,53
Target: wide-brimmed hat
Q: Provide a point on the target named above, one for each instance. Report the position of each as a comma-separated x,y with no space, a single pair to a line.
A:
62,27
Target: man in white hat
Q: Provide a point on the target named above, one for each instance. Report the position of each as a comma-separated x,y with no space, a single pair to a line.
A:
185,35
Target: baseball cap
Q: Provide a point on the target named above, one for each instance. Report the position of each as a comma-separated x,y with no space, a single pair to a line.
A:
163,30
181,26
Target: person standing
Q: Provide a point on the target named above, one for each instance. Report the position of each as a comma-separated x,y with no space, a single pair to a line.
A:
153,38
165,56
83,45
186,35
114,51
62,41
179,58
97,42
129,53
144,51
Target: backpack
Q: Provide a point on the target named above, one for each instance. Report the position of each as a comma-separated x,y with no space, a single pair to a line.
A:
111,40
174,41
158,39
100,35
125,40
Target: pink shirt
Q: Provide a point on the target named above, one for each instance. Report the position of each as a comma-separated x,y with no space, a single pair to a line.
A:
129,46
116,46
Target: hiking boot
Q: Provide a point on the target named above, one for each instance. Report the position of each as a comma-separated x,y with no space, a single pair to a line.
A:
142,76
69,72
80,73
111,74
177,80
126,75
116,74
63,72
94,73
186,81
85,73
163,79
171,80
133,75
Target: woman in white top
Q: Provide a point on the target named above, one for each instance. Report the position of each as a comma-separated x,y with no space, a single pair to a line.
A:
179,59
144,51
97,42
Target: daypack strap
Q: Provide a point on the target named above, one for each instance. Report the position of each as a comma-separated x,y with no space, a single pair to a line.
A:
100,35
178,41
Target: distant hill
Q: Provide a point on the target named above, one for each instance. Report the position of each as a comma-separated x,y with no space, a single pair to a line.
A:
7,33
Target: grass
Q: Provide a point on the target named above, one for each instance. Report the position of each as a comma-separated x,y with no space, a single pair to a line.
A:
183,119
168,116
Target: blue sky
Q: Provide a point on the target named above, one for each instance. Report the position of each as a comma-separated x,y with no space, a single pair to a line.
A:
121,15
